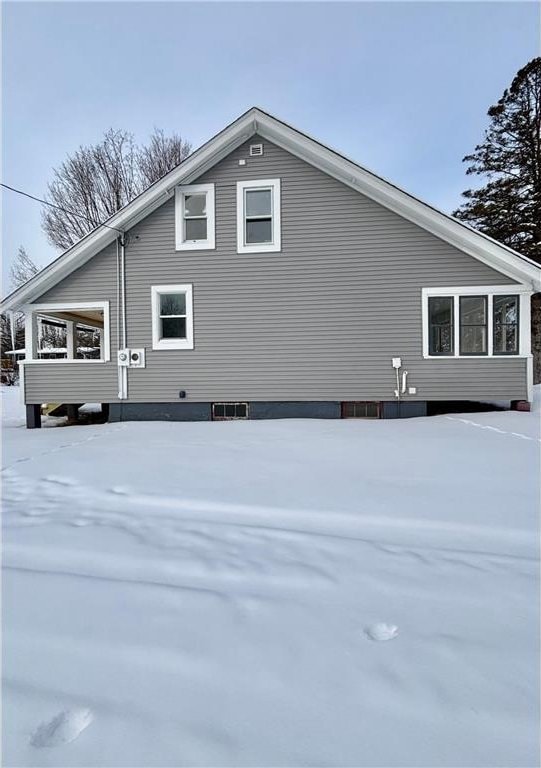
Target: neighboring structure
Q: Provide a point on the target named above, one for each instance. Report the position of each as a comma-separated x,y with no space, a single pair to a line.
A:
269,276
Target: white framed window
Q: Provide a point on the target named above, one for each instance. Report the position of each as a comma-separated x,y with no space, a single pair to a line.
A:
258,216
476,321
172,317
194,217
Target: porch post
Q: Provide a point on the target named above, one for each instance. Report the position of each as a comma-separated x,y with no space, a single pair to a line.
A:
33,416
71,340
30,334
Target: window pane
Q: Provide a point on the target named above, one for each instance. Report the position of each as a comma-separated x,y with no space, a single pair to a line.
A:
195,229
195,205
219,410
440,320
258,202
505,309
473,340
473,325
230,410
259,231
172,304
473,310
505,339
174,328
240,410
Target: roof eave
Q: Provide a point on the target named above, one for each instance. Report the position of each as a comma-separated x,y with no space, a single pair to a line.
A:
194,165
481,247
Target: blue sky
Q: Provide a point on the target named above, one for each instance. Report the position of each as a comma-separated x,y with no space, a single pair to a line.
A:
402,88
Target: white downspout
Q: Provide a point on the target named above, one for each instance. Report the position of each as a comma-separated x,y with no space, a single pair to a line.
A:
123,279
122,333
11,315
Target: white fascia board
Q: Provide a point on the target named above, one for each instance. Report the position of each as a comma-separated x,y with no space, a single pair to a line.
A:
195,165
481,247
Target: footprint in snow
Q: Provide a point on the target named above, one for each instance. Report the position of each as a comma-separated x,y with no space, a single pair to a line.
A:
381,632
58,480
62,729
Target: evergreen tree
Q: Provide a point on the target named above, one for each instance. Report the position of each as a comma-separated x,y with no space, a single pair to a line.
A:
508,206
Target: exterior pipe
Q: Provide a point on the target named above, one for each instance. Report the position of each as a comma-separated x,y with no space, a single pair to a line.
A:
123,284
404,380
121,315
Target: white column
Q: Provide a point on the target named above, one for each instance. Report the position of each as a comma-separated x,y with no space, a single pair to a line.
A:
30,334
71,340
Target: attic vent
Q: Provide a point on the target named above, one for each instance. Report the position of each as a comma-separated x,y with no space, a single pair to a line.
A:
256,150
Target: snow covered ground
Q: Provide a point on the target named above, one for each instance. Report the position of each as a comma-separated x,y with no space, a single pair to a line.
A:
279,593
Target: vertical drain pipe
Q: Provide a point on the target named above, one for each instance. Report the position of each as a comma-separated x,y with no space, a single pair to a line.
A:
123,283
121,314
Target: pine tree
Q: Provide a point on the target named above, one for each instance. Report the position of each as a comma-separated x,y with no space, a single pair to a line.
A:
508,206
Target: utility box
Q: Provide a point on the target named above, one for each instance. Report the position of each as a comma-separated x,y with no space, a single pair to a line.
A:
137,358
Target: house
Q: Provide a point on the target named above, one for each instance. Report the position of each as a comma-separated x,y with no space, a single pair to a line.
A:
268,276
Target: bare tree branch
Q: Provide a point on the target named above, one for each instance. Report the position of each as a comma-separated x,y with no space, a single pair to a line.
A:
97,181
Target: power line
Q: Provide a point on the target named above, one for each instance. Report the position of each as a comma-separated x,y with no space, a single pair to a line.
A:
58,207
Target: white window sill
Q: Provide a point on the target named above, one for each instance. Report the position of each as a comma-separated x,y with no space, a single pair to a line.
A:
263,248
173,344
475,357
197,245
62,360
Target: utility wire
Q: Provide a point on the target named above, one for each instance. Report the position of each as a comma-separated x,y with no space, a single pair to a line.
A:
58,207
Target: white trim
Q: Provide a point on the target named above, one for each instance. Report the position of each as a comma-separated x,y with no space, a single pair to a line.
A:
122,382
525,318
275,245
481,247
71,345
194,245
22,383
468,240
157,341
64,361
30,311
523,291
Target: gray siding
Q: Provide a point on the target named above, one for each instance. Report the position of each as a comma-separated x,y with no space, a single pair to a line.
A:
318,321
56,381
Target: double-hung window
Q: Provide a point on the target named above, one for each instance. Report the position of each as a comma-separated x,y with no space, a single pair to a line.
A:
172,317
505,325
469,322
441,325
258,216
194,214
473,325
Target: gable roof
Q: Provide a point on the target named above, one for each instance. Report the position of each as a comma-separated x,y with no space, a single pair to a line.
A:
255,120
